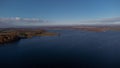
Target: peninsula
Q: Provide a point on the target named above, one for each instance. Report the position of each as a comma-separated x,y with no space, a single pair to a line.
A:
12,35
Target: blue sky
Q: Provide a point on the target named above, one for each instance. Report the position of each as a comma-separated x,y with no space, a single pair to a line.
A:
60,11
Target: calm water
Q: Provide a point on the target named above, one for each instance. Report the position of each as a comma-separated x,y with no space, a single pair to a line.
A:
71,49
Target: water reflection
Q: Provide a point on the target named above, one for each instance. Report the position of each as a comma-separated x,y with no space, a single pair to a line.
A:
15,43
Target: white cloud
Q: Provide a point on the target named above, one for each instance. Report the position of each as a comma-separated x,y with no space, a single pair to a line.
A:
17,21
115,20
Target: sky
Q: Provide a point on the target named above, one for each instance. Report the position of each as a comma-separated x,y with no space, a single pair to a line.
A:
58,12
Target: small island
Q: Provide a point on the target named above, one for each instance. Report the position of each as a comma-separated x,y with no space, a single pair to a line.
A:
12,35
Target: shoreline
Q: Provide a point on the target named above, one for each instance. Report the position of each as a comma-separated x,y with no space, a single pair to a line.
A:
7,36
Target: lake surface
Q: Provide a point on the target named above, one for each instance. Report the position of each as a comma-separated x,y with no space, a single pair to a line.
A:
71,49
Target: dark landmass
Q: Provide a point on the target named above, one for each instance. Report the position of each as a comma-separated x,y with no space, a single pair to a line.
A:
11,34
97,29
86,28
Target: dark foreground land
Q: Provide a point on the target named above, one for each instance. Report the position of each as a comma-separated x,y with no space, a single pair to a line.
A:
11,35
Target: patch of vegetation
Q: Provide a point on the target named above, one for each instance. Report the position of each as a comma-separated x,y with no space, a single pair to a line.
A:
13,35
